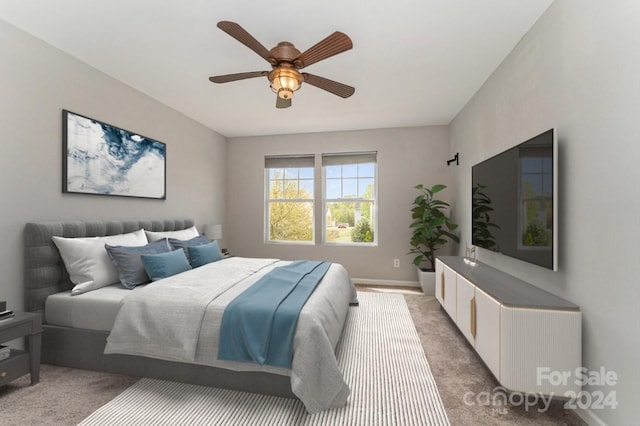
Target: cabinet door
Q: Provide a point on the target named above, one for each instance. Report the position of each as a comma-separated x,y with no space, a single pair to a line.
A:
464,295
440,281
449,292
488,330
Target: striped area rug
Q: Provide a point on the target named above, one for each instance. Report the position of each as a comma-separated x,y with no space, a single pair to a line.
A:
380,355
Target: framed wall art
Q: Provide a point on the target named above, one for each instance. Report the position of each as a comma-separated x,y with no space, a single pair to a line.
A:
102,159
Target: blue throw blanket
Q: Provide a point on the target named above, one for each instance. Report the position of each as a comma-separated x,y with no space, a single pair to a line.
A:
259,324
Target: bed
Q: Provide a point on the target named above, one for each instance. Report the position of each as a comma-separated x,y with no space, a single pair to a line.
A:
77,328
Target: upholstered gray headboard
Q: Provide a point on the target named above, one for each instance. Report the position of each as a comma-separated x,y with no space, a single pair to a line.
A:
45,273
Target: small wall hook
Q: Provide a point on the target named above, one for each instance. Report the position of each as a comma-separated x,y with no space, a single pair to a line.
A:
453,159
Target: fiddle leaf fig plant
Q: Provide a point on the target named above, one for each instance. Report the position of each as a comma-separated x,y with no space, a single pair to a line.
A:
431,225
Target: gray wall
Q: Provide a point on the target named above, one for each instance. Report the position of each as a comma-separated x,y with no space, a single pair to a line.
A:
577,70
406,157
36,83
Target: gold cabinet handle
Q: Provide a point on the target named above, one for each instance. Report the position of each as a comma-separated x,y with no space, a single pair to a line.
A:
473,317
442,285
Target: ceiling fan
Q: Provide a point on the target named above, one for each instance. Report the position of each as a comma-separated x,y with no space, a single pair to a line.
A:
286,60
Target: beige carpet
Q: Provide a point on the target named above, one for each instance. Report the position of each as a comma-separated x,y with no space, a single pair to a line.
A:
67,396
463,380
64,396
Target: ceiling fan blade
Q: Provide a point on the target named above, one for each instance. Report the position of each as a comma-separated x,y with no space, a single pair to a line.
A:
332,45
239,76
240,34
334,87
282,103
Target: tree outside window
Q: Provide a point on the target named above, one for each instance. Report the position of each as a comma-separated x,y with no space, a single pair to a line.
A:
350,183
290,200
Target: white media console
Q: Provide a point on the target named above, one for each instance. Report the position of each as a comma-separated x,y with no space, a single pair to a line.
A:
526,336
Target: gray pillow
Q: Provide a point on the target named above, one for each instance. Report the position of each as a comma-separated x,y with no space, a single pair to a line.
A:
185,244
128,263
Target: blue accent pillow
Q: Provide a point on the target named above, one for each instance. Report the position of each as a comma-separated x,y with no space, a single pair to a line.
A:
203,254
163,265
185,244
128,263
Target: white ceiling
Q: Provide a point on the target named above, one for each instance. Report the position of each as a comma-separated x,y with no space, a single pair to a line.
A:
414,62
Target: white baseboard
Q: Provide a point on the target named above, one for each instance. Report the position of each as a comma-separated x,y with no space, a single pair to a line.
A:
590,417
389,283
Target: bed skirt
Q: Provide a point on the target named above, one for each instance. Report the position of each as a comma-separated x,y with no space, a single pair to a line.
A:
79,348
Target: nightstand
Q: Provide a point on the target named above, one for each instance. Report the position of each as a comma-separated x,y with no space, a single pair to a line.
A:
21,362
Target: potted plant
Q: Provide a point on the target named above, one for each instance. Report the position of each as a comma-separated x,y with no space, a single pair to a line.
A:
431,227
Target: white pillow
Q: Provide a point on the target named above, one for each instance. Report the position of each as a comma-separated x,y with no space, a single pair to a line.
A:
185,234
87,261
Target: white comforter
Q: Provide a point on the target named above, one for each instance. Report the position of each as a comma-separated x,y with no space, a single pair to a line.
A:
178,319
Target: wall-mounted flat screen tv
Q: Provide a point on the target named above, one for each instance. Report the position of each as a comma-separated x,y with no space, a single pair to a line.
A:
514,201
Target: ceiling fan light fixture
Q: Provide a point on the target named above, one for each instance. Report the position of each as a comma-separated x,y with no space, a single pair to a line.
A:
286,60
285,81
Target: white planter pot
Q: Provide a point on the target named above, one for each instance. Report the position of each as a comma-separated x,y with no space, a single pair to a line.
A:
427,282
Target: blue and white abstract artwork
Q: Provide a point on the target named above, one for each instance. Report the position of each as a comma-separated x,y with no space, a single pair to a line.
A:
103,159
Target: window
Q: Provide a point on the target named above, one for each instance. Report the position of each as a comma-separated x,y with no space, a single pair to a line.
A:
350,197
289,198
